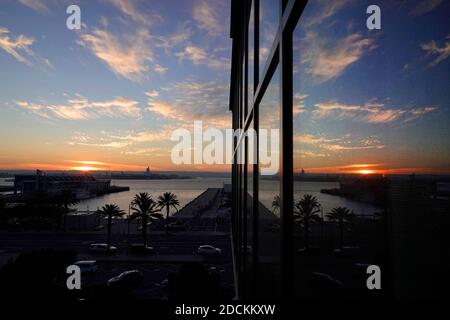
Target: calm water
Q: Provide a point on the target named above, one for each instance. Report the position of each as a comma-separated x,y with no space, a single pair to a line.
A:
270,188
185,189
188,189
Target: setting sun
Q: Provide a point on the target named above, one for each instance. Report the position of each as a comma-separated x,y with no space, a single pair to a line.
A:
84,168
365,171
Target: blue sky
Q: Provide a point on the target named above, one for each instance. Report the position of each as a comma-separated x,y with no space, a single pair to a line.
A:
111,93
114,89
375,97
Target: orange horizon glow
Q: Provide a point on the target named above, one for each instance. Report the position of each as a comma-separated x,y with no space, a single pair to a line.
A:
369,169
365,172
90,165
85,168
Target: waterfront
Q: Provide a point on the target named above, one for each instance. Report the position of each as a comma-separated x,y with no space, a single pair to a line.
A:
187,189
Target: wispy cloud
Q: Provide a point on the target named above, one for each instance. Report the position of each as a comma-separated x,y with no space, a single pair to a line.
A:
425,6
196,54
199,55
326,9
370,112
129,56
152,94
326,59
130,9
440,53
323,146
20,48
179,37
37,5
207,15
141,143
80,108
193,100
299,103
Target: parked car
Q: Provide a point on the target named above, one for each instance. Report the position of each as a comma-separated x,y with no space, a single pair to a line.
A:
311,251
208,250
322,284
102,248
127,279
176,227
87,266
140,248
347,251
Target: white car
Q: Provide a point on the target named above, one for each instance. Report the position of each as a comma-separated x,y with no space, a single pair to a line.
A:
208,250
127,279
102,248
87,266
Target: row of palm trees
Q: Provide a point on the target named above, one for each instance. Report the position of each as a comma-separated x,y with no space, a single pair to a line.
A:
306,211
146,209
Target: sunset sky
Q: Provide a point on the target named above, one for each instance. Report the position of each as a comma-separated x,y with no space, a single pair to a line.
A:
108,96
373,100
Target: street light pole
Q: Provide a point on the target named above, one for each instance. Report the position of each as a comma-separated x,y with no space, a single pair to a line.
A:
321,226
129,221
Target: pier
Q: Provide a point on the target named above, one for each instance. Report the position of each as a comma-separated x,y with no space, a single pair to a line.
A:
206,212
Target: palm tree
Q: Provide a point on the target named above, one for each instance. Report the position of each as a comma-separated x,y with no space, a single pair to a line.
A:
168,200
66,199
305,211
110,211
39,206
2,204
145,208
276,203
340,214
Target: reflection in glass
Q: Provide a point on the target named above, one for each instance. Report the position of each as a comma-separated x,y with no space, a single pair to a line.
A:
269,18
269,189
359,163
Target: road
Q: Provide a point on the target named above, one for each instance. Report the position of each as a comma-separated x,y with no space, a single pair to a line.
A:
174,244
172,252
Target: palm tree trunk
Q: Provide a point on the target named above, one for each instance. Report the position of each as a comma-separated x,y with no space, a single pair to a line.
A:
65,218
306,233
341,227
167,220
144,229
109,230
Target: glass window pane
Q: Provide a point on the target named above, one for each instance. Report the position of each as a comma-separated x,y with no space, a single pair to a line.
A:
251,57
370,125
269,17
269,189
248,251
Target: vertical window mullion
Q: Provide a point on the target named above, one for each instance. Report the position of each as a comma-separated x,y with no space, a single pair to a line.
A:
256,128
286,156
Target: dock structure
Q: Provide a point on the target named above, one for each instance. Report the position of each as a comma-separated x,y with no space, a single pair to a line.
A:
204,205
206,212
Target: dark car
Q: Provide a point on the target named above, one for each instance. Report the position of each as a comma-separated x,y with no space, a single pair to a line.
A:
139,248
347,251
127,279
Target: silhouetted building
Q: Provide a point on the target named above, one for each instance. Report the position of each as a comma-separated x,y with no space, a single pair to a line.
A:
83,185
419,218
